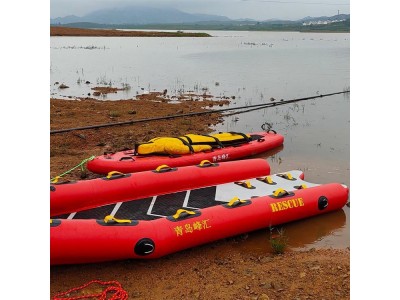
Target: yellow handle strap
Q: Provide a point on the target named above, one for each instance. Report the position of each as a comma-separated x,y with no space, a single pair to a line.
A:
205,162
245,184
268,179
181,211
287,176
303,186
280,192
159,168
109,218
110,174
235,200
55,179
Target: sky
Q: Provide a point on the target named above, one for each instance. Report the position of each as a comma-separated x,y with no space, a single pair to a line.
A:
234,9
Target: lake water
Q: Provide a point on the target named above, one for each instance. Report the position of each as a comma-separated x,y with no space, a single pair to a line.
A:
253,67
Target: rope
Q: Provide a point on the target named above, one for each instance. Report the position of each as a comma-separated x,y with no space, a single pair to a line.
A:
266,105
258,106
55,179
114,286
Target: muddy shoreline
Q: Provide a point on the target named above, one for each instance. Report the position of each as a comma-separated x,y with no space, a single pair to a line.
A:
71,31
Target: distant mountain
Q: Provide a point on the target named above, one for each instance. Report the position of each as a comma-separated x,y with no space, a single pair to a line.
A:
139,15
246,20
173,19
67,19
272,20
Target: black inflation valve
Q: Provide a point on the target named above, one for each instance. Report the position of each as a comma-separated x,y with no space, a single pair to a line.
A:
322,202
144,247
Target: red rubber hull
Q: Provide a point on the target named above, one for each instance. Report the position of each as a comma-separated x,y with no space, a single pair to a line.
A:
86,194
88,241
127,162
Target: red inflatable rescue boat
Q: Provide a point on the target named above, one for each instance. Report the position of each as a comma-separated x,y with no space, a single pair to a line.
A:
116,187
159,225
130,161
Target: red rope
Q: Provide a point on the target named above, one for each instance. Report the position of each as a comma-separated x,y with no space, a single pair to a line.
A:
114,287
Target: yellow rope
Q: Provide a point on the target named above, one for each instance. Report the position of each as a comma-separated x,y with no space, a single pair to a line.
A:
55,179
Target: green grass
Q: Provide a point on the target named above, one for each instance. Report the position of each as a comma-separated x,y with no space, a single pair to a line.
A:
278,241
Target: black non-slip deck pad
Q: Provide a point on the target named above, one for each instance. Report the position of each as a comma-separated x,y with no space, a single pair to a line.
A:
166,205
134,210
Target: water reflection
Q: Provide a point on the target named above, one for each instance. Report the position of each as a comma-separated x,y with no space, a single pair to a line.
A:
303,234
310,232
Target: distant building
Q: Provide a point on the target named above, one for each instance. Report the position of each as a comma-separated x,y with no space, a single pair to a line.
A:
319,22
